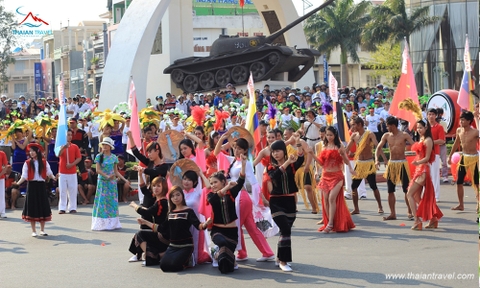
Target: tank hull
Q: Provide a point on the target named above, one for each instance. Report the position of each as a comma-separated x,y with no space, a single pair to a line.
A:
197,74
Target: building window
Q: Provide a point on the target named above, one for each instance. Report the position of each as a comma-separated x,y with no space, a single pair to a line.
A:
19,65
372,81
336,75
20,88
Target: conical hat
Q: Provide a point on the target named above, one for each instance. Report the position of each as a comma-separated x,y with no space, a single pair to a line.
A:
179,168
239,132
169,141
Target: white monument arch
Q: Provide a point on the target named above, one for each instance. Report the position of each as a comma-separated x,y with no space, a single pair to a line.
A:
130,51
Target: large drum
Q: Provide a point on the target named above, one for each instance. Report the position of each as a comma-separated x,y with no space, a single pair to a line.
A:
447,99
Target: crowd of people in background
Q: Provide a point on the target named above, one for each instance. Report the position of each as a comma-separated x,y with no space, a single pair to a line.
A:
195,213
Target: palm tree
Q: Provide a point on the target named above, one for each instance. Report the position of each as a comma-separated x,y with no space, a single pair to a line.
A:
390,23
339,25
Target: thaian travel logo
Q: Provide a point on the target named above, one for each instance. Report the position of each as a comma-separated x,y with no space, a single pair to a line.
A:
30,20
30,25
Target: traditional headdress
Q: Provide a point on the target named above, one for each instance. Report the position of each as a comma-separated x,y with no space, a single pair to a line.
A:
107,117
219,117
149,116
411,106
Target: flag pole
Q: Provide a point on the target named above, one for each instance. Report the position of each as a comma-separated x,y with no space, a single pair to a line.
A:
243,24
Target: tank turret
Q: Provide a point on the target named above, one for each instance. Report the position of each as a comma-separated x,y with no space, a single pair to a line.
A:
232,58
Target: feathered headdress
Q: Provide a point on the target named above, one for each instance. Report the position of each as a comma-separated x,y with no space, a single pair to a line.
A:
411,106
326,108
272,114
219,117
198,115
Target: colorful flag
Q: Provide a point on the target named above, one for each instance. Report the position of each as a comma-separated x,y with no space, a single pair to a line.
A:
406,89
62,129
134,121
252,118
333,87
242,3
465,99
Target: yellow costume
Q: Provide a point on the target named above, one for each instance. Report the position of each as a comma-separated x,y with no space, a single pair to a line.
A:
363,168
300,178
395,169
470,163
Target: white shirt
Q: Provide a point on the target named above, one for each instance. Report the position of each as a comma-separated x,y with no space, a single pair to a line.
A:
362,104
237,167
378,110
182,106
313,132
384,114
286,119
72,107
94,129
36,175
373,121
178,128
163,125
85,107
124,134
348,113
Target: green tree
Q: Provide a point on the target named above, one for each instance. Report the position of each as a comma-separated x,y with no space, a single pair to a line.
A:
386,61
7,42
390,23
338,25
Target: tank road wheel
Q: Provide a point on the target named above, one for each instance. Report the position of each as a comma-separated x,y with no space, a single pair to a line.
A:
258,70
207,80
177,76
190,83
222,77
239,74
273,59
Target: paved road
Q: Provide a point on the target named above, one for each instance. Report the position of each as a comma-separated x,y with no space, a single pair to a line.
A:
74,256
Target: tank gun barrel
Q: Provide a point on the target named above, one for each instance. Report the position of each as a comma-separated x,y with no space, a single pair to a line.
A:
275,35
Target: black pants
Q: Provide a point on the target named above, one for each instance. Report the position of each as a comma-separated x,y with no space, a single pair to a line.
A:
283,213
372,182
405,182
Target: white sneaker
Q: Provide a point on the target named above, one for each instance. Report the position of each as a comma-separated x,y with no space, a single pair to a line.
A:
241,259
34,234
213,252
445,180
285,268
348,197
3,215
265,259
134,258
144,263
277,263
235,267
215,263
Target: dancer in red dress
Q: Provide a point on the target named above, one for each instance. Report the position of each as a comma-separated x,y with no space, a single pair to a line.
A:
421,180
336,216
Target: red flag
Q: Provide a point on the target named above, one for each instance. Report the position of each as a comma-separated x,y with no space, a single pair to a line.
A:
406,88
242,3
134,121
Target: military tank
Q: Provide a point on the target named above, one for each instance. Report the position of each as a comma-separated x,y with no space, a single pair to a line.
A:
232,58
